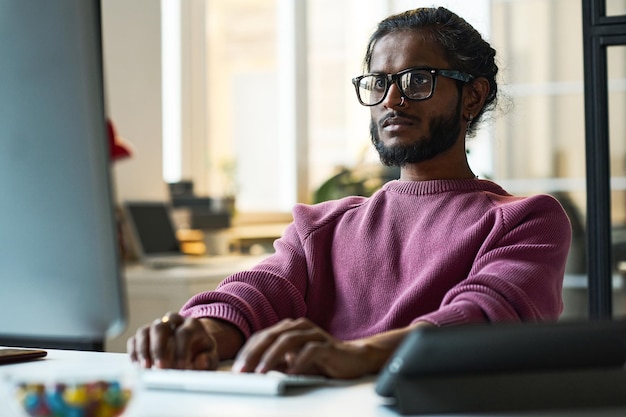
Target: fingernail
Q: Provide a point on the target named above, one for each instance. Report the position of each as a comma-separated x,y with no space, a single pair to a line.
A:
237,366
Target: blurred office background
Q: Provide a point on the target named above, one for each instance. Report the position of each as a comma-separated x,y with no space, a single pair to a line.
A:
252,100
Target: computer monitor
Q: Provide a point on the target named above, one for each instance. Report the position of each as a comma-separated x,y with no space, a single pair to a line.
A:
60,278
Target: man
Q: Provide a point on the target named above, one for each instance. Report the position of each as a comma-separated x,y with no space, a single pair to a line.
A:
351,278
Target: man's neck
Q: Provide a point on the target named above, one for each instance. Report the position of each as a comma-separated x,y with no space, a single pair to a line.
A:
436,170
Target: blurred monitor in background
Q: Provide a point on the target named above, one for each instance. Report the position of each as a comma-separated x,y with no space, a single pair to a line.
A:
59,261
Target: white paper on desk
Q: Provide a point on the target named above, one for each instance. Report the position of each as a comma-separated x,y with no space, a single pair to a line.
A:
224,382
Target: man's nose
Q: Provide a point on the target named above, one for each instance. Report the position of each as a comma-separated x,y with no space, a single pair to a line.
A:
393,97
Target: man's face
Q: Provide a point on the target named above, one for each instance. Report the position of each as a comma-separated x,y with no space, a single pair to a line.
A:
418,130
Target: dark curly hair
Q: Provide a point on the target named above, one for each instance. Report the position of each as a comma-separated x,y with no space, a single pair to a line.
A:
464,47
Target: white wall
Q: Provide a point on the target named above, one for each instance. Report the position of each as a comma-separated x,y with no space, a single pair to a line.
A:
132,63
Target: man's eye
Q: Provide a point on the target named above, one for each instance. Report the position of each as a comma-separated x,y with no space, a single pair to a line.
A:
379,84
419,80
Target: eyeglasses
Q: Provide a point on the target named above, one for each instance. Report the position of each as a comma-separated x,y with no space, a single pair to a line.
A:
413,83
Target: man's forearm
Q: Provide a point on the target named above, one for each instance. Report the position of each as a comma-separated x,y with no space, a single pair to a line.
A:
378,349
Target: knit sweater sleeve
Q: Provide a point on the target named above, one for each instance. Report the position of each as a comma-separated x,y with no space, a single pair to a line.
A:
518,271
258,298
272,290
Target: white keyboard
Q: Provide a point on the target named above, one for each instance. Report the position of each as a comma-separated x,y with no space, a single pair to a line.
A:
225,382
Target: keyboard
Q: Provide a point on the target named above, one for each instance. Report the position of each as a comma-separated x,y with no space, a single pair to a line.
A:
226,382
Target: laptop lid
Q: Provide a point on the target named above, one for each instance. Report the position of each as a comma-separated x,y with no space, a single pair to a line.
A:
153,231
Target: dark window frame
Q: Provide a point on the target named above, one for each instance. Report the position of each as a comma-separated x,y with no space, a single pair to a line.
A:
599,32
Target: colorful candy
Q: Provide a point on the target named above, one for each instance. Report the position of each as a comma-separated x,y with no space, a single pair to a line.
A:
94,399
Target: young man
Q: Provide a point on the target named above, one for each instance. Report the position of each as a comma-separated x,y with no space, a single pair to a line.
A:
439,247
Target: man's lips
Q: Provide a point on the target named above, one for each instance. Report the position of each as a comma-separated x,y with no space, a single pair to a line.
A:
394,120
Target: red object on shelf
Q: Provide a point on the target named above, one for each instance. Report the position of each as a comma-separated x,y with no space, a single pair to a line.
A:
119,148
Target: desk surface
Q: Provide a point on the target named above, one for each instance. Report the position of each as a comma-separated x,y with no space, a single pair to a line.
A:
358,399
218,267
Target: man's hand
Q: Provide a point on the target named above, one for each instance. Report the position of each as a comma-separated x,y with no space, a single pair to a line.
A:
177,342
300,347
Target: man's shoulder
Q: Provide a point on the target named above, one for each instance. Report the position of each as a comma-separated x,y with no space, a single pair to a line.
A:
328,208
319,214
531,202
539,206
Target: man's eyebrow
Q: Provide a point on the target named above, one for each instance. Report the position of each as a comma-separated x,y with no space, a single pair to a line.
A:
407,67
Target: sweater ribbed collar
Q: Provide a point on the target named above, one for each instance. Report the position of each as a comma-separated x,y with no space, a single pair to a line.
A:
440,186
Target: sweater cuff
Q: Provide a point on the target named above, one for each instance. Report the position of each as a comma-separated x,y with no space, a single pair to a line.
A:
454,314
221,311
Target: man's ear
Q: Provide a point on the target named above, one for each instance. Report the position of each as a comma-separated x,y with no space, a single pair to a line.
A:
476,93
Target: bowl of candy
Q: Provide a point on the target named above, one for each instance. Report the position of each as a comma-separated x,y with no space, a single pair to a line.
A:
71,394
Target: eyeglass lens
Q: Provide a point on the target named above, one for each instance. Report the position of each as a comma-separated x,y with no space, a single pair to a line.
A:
416,85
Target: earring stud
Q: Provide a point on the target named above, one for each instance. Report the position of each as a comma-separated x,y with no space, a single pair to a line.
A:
470,119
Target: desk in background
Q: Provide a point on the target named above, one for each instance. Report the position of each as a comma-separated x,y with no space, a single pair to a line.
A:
242,239
576,296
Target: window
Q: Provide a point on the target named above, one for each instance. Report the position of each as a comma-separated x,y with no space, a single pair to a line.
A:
268,110
539,141
269,113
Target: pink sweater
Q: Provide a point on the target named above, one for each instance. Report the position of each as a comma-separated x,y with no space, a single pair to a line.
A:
444,251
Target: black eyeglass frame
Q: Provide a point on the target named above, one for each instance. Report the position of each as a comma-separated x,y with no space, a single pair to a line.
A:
394,78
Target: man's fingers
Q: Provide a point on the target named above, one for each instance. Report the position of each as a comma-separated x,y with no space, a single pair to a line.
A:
250,354
286,347
131,349
266,349
173,319
162,343
308,360
194,348
324,359
139,346
174,341
333,359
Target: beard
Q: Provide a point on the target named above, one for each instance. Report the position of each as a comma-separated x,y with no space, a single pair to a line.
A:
443,134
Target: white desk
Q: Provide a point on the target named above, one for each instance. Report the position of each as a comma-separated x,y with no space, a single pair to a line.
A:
153,292
358,399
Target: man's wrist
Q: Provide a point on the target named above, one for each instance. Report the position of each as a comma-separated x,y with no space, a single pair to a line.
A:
372,356
376,350
228,337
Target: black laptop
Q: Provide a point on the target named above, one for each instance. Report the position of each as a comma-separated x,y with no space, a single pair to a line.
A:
154,236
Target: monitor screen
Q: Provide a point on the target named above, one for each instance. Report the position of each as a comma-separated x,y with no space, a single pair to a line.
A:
59,258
